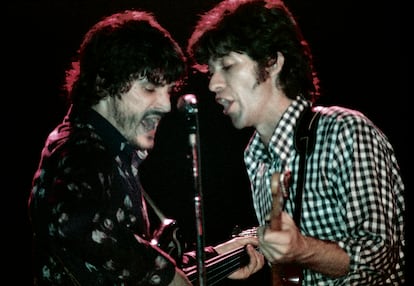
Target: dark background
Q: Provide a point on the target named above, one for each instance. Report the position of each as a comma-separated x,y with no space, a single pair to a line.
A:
358,53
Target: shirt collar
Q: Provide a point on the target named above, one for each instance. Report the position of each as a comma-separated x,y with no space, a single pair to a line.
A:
115,142
282,141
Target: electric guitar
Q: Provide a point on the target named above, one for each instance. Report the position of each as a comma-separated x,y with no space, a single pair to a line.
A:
219,267
169,238
282,274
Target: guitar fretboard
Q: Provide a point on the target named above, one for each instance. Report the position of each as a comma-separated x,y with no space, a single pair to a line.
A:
220,267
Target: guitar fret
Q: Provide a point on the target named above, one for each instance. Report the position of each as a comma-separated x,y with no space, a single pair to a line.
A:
221,266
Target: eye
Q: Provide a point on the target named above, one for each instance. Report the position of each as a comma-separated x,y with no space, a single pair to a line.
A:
226,67
227,63
149,87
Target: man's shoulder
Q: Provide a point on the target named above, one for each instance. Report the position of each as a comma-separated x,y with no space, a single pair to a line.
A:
342,115
75,141
336,110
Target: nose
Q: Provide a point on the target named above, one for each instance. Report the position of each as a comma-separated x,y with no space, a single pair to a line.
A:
216,83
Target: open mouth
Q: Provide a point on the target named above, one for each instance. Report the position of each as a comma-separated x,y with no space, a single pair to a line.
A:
150,123
225,104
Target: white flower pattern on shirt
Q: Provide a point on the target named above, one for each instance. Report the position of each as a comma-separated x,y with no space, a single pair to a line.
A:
87,211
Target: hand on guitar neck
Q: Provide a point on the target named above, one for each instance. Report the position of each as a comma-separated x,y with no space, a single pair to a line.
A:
282,274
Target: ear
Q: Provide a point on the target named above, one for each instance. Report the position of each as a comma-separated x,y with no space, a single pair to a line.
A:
275,65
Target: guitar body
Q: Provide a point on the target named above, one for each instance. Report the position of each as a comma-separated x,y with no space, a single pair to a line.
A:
169,238
291,275
282,274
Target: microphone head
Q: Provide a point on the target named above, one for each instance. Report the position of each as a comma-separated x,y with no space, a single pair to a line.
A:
187,103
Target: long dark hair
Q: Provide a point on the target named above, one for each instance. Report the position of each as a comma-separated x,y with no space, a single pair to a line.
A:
119,49
259,29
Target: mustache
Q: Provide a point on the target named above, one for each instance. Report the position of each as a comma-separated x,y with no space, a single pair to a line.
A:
157,113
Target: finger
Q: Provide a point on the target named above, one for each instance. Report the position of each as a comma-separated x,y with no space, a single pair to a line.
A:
258,258
261,230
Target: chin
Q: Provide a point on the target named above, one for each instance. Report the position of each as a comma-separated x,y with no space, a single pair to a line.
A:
145,143
237,124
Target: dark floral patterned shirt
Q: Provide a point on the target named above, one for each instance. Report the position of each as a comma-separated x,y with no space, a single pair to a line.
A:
89,218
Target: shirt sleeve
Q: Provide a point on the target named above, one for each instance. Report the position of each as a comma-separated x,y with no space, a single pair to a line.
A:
81,213
368,177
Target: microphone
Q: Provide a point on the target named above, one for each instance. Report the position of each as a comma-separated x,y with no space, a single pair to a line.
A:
188,105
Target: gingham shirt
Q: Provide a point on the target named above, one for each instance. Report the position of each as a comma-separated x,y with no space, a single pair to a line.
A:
353,191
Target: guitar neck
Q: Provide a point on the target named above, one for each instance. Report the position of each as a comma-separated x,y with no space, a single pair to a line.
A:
220,267
282,274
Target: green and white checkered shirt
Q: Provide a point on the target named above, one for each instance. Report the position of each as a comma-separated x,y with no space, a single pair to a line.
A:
353,192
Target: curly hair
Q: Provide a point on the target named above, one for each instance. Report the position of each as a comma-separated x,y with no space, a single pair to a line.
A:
259,29
118,50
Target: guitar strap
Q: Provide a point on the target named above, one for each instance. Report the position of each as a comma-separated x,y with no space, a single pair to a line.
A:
305,134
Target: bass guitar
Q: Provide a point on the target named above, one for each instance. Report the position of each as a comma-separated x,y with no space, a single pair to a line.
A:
282,274
168,237
219,267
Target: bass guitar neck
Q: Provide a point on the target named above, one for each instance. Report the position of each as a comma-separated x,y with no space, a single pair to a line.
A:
220,267
282,274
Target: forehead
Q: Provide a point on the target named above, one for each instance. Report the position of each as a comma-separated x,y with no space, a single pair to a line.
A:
230,58
157,80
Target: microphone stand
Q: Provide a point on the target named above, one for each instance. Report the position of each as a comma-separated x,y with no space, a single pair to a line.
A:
188,103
